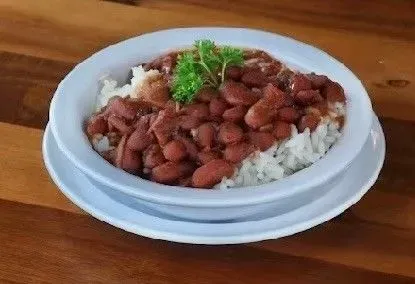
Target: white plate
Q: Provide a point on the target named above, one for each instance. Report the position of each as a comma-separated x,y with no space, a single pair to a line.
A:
116,211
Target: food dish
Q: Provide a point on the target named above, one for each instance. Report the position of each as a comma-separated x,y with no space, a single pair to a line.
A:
121,211
74,101
216,115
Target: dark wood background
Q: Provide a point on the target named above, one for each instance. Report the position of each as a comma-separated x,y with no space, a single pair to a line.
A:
46,239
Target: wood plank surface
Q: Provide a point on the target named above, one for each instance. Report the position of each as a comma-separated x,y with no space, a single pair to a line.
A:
47,239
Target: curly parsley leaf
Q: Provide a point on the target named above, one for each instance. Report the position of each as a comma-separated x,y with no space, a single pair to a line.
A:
230,56
187,78
203,66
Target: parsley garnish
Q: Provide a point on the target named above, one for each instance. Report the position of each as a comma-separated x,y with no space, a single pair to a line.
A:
202,66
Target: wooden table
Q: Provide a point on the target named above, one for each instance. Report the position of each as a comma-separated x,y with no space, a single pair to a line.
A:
46,239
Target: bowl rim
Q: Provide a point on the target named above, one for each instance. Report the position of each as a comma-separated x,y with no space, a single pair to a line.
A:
176,195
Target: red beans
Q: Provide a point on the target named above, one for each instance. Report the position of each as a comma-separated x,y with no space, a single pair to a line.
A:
254,79
121,108
211,173
281,130
259,114
170,172
155,93
235,114
126,158
274,97
235,153
200,111
188,122
164,126
263,140
153,156
308,97
317,81
237,94
205,157
163,140
174,151
300,82
233,73
288,114
229,133
204,135
333,92
207,94
141,138
266,128
308,121
191,147
97,125
217,106
118,123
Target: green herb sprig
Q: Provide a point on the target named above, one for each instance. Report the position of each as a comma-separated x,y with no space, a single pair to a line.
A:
204,65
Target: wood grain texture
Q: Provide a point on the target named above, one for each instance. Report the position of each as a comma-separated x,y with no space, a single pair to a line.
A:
47,239
76,248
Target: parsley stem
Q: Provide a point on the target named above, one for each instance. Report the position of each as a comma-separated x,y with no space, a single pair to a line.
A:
223,71
214,79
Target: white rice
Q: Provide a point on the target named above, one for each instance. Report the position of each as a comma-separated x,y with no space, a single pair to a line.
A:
110,89
101,143
288,156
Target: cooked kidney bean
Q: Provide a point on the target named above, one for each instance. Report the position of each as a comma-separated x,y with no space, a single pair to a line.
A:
97,125
200,111
207,94
288,100
317,81
233,73
235,114
271,68
263,140
230,133
204,135
217,106
126,158
299,82
121,108
281,130
191,147
211,173
119,124
266,128
288,114
155,93
237,94
308,121
205,157
164,126
188,122
333,92
283,79
171,172
141,138
153,156
274,97
308,97
254,79
319,109
259,114
175,151
235,153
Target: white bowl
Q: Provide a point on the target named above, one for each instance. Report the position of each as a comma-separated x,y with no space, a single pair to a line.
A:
74,99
